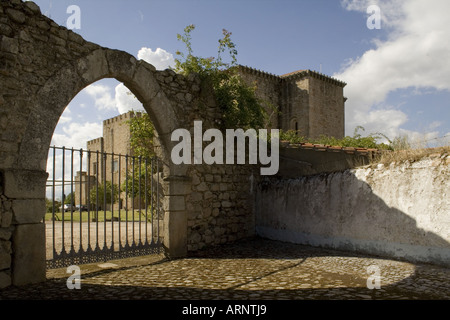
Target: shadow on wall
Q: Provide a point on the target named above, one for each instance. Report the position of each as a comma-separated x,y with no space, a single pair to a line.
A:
358,211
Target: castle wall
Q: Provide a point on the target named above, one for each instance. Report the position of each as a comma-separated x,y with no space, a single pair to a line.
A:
305,101
268,89
326,108
295,109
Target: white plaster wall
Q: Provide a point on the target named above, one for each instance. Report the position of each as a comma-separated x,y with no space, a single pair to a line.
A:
400,211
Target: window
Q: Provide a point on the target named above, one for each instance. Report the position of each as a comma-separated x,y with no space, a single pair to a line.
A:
116,166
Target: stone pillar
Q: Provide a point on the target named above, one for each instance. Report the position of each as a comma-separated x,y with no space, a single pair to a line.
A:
24,191
175,218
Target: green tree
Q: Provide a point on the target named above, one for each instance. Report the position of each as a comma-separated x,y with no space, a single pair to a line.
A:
108,190
70,199
238,101
142,135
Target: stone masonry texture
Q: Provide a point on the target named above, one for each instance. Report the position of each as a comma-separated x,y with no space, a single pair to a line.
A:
43,66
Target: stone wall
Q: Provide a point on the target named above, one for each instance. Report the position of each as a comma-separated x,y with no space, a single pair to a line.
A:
6,231
326,113
306,101
42,67
268,89
220,204
399,211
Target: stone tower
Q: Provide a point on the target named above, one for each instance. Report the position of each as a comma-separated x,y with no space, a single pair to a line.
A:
306,101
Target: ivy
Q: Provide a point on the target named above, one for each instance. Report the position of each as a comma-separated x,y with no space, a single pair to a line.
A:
237,100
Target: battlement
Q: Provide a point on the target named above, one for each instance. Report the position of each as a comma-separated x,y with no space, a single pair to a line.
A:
292,75
122,117
259,73
95,141
304,73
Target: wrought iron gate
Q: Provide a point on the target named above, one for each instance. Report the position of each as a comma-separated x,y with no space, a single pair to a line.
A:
109,209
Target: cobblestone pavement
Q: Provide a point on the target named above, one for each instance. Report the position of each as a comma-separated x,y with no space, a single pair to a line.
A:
254,269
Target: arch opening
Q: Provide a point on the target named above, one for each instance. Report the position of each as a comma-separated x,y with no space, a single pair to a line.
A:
49,104
103,197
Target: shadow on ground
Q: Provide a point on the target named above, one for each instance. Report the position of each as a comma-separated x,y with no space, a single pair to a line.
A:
254,269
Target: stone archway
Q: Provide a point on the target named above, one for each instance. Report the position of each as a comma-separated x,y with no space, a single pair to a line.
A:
44,66
50,102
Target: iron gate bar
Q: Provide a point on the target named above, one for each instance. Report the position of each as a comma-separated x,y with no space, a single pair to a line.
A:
89,200
120,202
53,200
92,252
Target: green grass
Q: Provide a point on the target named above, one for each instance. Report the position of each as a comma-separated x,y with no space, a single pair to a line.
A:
101,215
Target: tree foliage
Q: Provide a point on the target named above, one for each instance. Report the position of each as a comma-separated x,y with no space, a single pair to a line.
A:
142,135
238,101
106,190
70,199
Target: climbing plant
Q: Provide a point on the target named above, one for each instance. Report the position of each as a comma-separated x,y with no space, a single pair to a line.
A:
240,106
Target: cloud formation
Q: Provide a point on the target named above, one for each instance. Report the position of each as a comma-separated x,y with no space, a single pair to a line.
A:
125,101
77,134
160,58
415,56
102,96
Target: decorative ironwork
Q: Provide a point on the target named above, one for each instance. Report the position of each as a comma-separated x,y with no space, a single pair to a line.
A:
113,210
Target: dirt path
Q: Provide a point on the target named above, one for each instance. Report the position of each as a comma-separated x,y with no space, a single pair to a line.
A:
97,233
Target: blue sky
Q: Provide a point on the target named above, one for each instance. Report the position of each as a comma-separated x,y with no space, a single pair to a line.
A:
398,76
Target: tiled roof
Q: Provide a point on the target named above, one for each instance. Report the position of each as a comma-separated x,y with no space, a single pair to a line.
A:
322,148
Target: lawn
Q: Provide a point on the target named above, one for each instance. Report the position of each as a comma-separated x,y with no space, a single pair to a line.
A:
101,216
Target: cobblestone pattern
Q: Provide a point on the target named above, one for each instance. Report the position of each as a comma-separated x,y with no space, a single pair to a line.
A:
253,269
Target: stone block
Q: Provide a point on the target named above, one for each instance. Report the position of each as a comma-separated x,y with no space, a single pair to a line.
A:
28,211
25,184
202,187
9,45
93,67
208,195
5,254
28,261
5,233
226,204
16,15
175,234
5,279
5,219
196,196
33,7
176,203
121,65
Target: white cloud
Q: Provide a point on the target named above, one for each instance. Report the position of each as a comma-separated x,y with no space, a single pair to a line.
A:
160,58
102,96
64,119
77,134
415,55
125,101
